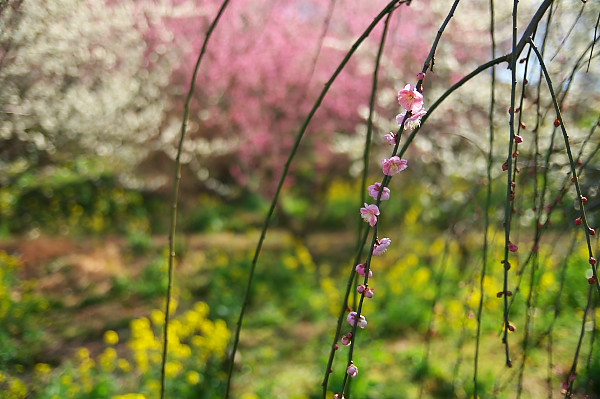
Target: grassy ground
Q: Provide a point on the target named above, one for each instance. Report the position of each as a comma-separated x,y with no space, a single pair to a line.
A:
91,286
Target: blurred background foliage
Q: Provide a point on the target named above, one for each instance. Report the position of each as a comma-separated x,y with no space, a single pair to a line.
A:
90,107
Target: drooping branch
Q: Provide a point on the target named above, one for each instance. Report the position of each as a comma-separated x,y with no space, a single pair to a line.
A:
175,197
386,10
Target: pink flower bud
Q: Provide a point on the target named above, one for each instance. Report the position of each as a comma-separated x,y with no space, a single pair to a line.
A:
362,322
361,269
391,138
421,76
374,190
518,139
592,280
512,247
352,371
347,339
366,290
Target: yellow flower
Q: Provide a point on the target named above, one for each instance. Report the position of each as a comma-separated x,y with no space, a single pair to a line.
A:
124,365
107,359
111,337
43,368
130,396
192,377
173,369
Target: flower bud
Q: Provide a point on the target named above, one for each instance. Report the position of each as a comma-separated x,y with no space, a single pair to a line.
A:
592,280
363,289
361,269
352,371
346,339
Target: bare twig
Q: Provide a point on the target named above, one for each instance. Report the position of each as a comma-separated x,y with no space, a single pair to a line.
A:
175,196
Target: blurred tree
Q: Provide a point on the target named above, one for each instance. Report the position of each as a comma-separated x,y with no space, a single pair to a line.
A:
105,79
75,83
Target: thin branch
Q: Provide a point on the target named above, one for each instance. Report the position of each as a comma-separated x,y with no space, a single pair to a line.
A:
175,197
488,201
581,199
346,383
573,372
594,42
390,6
509,188
565,37
430,60
330,9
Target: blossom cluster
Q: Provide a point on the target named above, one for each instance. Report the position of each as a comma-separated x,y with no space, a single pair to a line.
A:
412,101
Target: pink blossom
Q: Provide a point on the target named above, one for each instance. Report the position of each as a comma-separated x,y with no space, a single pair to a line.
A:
366,290
381,246
352,371
393,165
410,98
413,121
391,138
362,322
347,339
374,190
369,214
361,269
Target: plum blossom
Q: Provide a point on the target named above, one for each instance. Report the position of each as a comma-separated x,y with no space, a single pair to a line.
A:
410,98
381,246
393,165
369,214
361,269
366,290
391,138
362,322
347,339
352,371
374,190
413,121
